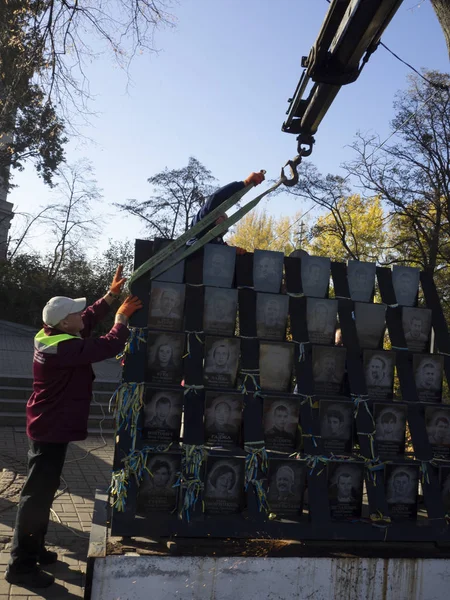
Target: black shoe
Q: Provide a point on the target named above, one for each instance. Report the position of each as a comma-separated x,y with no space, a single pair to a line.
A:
36,578
47,557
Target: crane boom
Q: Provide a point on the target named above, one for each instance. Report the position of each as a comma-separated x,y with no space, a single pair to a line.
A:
350,33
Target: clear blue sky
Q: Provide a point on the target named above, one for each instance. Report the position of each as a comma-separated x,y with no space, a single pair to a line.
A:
218,91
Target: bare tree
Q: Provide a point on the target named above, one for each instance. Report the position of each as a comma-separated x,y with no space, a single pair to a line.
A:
70,219
413,176
18,239
178,195
45,46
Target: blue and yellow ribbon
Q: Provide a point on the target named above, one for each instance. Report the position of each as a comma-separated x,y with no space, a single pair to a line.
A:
249,374
126,404
257,462
136,337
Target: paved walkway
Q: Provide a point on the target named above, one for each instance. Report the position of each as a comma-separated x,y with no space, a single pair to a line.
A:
70,525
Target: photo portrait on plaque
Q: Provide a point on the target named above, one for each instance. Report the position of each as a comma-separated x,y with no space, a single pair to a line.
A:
444,481
221,361
406,284
271,316
390,427
345,490
281,417
286,486
417,327
156,492
166,306
219,316
321,318
361,280
379,371
370,320
336,425
315,275
428,370
267,271
275,366
165,351
437,421
401,483
223,417
162,416
218,265
224,485
328,369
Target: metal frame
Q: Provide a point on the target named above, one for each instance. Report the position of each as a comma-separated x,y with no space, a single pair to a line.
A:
253,523
349,34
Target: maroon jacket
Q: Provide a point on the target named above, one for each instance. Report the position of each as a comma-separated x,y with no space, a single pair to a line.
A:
58,409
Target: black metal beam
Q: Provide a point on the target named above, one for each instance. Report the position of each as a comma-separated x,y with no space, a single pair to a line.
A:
335,59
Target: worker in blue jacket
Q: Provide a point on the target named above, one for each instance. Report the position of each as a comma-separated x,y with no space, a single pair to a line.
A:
216,199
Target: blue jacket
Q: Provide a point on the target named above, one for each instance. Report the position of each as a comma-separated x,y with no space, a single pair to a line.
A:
213,202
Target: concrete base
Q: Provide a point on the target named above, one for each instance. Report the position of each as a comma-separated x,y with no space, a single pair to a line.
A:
200,578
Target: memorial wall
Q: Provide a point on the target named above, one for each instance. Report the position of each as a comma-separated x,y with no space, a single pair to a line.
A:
258,400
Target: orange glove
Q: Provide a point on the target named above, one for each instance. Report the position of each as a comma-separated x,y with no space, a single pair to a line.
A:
240,251
130,306
255,178
117,282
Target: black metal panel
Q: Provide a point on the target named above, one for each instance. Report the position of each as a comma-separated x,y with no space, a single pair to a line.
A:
244,270
293,270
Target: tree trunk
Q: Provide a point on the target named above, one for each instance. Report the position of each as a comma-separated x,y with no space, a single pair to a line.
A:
442,10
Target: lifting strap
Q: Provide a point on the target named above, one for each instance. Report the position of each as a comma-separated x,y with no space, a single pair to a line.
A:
169,254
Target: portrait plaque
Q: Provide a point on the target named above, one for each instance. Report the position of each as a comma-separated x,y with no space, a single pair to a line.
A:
219,316
428,370
162,416
223,417
379,371
328,369
437,419
315,275
221,361
390,423
417,327
345,490
165,351
286,486
218,265
321,317
361,280
406,284
166,306
271,316
157,492
281,417
176,273
401,483
444,480
336,426
224,485
275,366
370,322
267,271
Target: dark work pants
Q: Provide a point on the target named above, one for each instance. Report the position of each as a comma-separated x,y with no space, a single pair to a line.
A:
45,464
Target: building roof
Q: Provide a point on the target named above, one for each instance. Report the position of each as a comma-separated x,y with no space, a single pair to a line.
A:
16,354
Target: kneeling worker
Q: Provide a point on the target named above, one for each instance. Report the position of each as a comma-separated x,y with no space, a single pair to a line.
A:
58,412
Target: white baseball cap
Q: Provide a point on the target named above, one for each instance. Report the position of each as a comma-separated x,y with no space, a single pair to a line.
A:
59,307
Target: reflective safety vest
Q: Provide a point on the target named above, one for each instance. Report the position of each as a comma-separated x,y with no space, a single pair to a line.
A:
49,343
